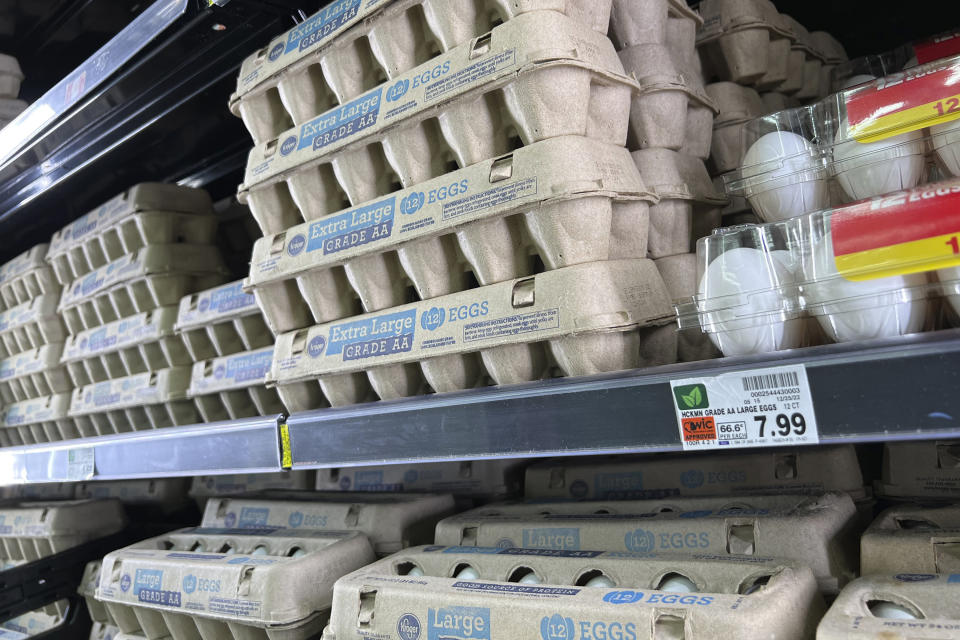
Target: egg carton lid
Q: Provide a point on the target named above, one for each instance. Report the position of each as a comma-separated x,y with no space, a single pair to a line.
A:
831,48
529,42
146,491
210,486
929,469
31,361
35,411
556,169
721,17
673,175
596,297
138,329
62,518
30,260
226,373
735,103
10,66
219,304
40,308
470,477
152,387
912,537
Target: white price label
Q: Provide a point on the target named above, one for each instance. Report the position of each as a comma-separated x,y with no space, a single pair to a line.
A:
80,464
760,408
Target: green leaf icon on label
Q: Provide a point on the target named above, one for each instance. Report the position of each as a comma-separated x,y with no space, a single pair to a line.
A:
691,396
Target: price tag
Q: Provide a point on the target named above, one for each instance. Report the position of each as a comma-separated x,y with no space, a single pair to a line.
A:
80,464
769,407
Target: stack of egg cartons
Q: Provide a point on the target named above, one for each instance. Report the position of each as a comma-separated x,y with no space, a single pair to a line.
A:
125,267
10,78
204,487
458,173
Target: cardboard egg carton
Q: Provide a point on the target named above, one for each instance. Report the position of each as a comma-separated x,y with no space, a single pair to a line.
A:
538,76
10,76
154,276
31,325
221,321
833,56
670,344
566,200
135,344
26,277
588,317
100,631
147,213
817,531
34,623
907,605
203,487
529,594
232,387
809,470
476,478
229,583
737,105
88,590
33,374
912,538
10,109
391,521
150,400
162,494
926,469
40,491
34,530
42,419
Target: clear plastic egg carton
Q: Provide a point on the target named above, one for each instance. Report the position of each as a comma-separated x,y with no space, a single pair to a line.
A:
38,420
148,213
538,76
589,318
473,478
221,321
907,56
784,471
391,521
26,277
232,387
923,470
163,494
906,605
203,487
31,325
154,276
528,594
34,623
789,159
150,400
33,374
564,200
912,538
229,583
737,105
135,344
10,76
819,531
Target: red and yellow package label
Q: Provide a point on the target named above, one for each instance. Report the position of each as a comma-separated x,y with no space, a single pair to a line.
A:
905,101
937,47
906,232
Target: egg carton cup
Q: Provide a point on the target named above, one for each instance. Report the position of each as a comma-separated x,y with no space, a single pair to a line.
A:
391,521
33,374
472,478
221,321
921,470
586,316
163,494
344,50
737,105
228,583
125,347
31,325
232,387
10,76
789,471
536,77
154,276
567,200
911,538
101,631
203,487
34,623
150,400
679,273
650,22
816,531
39,420
88,590
850,73
26,277
689,206
908,605
531,595
804,64
34,530
833,54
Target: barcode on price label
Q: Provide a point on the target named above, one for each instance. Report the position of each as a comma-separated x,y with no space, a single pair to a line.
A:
760,408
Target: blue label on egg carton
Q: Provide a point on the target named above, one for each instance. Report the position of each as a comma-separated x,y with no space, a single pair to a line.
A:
18,316
226,300
372,337
353,227
121,392
114,336
234,371
318,27
341,122
30,412
101,278
19,265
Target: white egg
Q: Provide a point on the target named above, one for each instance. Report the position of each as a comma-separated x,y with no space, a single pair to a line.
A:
946,141
678,584
853,81
891,610
600,581
467,573
786,176
750,327
259,550
865,170
415,571
862,310
531,578
299,553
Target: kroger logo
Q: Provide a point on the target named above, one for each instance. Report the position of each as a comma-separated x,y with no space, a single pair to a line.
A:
125,583
229,520
189,583
411,203
639,540
408,627
276,52
204,304
623,597
505,543
410,476
345,483
295,519
556,627
692,478
288,146
578,489
398,90
296,244
432,319
218,372
316,346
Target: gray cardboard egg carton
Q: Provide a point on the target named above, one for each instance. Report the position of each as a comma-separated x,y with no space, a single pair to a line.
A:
476,478
135,344
10,109
163,494
274,584
526,594
30,325
34,623
150,400
42,419
203,487
26,277
33,374
232,387
817,531
221,321
911,538
927,470
10,76
148,213
391,521
100,631
772,472
88,590
538,76
737,106
669,344
154,276
566,200
577,320
927,607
